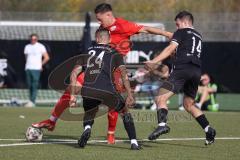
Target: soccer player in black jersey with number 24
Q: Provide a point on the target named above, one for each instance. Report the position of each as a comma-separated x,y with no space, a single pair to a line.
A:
98,87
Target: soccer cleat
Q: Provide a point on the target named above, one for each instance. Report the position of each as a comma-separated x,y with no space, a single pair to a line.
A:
210,136
48,124
111,138
159,131
135,147
84,138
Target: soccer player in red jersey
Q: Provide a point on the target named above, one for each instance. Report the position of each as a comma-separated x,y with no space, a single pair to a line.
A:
120,31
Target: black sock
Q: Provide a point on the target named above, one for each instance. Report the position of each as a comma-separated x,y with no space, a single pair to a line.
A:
89,115
202,120
88,122
88,119
162,115
129,125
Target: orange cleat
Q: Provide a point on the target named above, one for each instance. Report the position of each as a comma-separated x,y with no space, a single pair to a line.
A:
111,138
48,124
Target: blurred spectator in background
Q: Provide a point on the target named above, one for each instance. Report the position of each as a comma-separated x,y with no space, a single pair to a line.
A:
3,71
206,97
36,57
8,76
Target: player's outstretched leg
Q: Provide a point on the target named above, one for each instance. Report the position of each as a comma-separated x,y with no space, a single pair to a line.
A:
59,108
201,119
130,128
162,113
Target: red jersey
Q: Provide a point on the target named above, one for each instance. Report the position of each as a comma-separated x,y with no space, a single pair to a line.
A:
120,32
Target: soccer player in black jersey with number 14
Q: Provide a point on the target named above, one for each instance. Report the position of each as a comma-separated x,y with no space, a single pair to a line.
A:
186,46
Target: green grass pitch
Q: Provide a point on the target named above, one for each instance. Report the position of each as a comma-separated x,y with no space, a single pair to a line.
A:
14,122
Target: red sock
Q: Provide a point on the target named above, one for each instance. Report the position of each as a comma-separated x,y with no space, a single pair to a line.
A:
112,121
61,105
63,102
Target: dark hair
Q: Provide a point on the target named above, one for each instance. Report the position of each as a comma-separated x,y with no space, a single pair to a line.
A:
102,8
102,32
33,35
185,15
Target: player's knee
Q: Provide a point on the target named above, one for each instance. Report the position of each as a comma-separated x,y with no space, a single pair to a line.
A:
188,104
162,100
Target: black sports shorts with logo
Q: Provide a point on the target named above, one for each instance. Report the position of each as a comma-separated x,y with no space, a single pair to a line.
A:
184,79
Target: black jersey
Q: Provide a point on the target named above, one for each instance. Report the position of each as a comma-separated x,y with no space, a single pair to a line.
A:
101,64
189,47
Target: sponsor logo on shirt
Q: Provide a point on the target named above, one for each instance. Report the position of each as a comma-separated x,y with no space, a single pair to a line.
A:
113,28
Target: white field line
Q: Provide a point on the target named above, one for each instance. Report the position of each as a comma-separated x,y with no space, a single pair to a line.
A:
70,141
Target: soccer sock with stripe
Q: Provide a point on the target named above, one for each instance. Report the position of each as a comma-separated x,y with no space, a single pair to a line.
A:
112,121
162,116
202,120
61,105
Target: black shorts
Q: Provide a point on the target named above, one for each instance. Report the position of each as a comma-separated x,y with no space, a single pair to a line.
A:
92,98
184,80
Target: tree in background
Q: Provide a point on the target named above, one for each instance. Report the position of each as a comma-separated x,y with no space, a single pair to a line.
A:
137,10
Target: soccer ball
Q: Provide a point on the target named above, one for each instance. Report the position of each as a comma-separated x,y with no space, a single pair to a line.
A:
34,134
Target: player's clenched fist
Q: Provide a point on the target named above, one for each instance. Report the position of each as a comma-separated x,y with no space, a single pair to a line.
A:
150,65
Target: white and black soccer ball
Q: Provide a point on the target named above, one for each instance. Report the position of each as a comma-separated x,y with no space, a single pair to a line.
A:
34,134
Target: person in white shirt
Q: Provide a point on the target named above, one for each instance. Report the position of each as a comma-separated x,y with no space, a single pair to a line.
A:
36,57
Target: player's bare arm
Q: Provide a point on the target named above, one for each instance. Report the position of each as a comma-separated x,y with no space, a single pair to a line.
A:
130,100
46,58
74,85
163,73
168,51
154,30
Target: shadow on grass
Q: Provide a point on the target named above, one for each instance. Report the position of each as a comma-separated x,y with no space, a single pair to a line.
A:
143,144
176,144
60,137
75,145
97,145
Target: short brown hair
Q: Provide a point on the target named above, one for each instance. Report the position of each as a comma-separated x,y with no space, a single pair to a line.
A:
102,8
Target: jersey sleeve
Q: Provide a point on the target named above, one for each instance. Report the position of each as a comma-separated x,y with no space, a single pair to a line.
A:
43,49
132,28
117,60
214,87
177,37
25,50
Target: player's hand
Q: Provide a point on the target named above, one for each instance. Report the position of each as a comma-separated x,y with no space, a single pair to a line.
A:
149,65
169,36
73,101
130,101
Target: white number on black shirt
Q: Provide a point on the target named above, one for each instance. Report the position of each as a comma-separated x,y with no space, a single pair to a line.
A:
198,48
98,59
